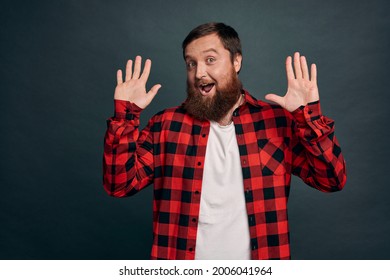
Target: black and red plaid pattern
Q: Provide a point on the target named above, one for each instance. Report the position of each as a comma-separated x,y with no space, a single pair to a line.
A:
170,153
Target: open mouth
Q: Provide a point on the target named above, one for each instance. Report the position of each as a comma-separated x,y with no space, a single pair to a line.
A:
206,88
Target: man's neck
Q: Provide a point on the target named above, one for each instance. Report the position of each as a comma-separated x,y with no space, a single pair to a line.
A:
227,119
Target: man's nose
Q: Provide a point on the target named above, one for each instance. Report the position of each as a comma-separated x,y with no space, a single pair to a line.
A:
200,71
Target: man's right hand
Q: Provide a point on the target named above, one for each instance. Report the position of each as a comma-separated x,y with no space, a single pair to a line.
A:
133,89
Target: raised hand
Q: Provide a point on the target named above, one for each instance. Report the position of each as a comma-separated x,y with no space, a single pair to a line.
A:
301,88
133,89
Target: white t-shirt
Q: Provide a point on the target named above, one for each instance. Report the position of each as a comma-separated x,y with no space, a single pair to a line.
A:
223,230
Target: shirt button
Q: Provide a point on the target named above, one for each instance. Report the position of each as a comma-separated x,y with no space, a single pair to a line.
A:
194,220
191,249
203,135
199,163
196,192
310,112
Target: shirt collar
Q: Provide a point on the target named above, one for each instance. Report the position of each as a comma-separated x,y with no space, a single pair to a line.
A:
250,99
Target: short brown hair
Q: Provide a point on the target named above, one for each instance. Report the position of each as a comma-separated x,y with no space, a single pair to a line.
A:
226,34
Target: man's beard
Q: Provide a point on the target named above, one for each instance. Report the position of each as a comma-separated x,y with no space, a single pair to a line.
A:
213,108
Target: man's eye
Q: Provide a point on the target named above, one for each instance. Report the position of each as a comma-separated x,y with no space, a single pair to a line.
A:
210,59
191,64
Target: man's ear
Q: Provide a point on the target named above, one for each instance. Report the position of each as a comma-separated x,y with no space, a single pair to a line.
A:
237,62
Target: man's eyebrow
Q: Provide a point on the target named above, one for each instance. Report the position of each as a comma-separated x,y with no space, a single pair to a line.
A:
205,51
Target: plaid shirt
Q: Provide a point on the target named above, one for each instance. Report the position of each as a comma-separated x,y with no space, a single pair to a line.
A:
170,153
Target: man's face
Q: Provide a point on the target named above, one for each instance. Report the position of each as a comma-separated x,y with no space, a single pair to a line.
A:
212,82
209,65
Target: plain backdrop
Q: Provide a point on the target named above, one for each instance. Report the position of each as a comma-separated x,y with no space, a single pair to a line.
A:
57,79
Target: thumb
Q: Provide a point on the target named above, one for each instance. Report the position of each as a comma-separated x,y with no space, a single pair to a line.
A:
275,98
153,91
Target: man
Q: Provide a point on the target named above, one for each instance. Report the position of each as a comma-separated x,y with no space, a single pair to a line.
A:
221,163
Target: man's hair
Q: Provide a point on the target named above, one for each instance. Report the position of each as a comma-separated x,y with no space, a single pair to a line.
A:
226,34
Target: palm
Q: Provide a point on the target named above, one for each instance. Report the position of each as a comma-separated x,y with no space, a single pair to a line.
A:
133,89
301,88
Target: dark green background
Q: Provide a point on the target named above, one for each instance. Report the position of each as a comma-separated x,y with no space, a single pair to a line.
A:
58,74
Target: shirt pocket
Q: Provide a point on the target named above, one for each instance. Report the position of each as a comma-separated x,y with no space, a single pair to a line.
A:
272,155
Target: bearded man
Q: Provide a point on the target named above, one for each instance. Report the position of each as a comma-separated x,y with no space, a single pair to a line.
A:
221,163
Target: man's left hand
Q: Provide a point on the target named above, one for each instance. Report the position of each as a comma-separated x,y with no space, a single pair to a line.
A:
301,88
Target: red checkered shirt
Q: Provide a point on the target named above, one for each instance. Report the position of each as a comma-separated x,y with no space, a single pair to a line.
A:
170,153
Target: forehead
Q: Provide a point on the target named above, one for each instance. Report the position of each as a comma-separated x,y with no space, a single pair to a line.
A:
205,44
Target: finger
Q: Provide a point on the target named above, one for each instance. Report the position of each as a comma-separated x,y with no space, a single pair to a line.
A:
289,69
297,66
305,70
119,77
129,70
313,73
137,67
275,98
153,91
146,72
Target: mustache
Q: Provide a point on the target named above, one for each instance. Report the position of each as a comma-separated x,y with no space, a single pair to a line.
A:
204,82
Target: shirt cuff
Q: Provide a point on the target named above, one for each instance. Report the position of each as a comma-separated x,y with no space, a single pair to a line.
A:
126,110
308,113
